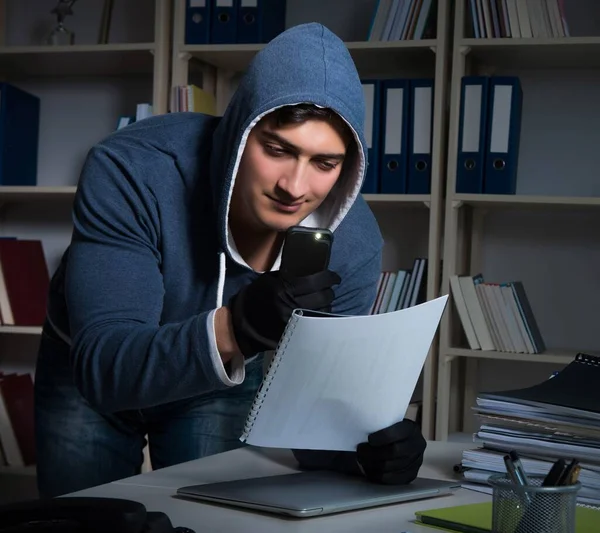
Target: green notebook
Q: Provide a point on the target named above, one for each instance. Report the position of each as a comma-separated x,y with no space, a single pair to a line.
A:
477,518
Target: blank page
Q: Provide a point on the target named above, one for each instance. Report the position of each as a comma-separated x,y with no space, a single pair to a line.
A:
335,379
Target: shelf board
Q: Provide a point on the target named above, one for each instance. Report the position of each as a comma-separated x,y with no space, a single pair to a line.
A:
35,193
29,470
549,356
397,199
553,52
369,56
523,200
20,330
77,60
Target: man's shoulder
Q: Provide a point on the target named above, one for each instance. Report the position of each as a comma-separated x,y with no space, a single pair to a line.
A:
172,135
359,231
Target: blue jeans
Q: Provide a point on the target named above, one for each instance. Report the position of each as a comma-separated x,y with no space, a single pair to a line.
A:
77,447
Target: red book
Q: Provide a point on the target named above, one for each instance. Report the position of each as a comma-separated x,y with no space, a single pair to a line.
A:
24,290
17,393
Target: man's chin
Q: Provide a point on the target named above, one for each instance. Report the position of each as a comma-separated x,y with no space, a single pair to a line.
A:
280,223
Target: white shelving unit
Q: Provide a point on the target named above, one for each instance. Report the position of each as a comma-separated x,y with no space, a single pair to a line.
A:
465,214
45,65
219,64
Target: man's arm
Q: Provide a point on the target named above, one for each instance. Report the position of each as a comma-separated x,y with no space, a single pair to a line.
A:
122,357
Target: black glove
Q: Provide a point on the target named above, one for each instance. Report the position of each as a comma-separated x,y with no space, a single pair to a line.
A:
261,310
394,455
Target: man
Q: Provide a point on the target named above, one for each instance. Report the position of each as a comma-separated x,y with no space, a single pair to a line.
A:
170,291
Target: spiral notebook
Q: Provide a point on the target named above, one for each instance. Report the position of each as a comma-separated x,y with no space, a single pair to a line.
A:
573,392
335,379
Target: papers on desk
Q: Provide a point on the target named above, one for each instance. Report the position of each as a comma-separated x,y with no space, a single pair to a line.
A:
559,417
335,379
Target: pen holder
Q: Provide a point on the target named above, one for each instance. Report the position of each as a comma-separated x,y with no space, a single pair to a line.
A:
532,508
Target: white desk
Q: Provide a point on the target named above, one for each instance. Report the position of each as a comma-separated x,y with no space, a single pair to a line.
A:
157,491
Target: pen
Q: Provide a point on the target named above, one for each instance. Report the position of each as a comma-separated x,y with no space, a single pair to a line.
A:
516,460
555,474
565,478
514,475
575,474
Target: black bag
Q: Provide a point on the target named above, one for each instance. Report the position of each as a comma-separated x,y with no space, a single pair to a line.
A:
84,515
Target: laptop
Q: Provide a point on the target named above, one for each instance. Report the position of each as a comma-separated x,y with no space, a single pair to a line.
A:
313,493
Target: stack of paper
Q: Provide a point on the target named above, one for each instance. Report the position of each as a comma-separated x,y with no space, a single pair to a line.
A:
559,417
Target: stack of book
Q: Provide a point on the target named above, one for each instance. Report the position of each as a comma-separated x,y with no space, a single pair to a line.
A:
558,418
496,316
401,289
403,20
192,98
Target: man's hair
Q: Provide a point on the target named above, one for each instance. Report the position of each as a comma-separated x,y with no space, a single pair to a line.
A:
297,114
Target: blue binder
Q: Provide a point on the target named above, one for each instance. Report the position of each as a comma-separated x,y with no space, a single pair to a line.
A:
272,15
419,138
197,22
504,135
248,21
394,138
223,28
19,136
372,94
472,134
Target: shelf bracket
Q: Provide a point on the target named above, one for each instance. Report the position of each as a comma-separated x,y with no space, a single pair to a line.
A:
184,56
433,49
465,50
427,205
457,204
449,358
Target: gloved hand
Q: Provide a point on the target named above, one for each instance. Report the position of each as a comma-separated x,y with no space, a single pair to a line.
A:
261,310
394,455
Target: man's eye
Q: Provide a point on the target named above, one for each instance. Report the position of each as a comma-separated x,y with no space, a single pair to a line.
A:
326,165
274,149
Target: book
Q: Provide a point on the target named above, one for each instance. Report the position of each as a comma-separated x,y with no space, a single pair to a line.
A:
335,379
477,518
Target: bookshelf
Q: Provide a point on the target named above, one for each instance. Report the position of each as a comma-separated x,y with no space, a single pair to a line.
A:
68,80
538,201
217,65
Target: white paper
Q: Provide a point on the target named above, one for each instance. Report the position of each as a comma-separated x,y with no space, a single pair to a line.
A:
341,378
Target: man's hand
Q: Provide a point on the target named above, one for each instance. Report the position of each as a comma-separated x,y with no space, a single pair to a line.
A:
261,310
394,455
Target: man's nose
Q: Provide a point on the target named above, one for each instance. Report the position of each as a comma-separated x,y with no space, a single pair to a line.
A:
293,182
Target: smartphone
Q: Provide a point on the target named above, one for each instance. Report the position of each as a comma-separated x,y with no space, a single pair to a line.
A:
306,250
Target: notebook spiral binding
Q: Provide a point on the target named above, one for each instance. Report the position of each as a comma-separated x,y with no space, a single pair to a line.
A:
269,375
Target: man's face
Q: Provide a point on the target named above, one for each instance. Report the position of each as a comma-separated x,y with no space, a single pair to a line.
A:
285,174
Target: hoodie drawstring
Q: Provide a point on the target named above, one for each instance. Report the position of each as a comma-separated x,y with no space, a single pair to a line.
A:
221,281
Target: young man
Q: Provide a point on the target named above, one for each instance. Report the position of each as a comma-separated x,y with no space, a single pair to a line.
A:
170,290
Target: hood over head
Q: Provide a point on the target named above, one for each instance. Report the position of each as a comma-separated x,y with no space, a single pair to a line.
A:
304,64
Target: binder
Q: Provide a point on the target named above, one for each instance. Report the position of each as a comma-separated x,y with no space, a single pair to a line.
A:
419,154
272,18
472,134
504,133
19,136
197,21
248,28
259,21
394,140
372,94
223,26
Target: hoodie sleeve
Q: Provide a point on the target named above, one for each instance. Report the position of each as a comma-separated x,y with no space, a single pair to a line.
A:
355,296
122,356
